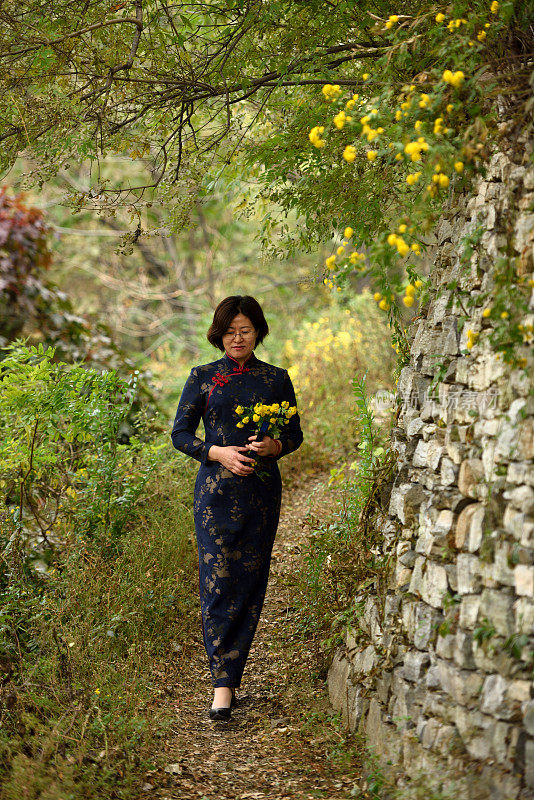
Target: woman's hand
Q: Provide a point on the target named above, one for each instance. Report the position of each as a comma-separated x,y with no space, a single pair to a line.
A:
267,446
231,458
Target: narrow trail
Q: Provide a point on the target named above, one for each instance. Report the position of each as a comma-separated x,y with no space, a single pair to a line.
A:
271,748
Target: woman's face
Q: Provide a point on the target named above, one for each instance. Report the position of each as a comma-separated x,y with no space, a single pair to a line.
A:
240,338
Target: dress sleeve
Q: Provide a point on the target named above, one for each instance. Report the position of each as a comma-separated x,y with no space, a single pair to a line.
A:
291,435
187,419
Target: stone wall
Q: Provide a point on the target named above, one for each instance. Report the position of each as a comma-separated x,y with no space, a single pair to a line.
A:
438,674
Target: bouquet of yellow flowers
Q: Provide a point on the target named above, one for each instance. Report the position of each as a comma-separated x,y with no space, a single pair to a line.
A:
269,421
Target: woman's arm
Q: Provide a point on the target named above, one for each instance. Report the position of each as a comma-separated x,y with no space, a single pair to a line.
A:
187,419
291,436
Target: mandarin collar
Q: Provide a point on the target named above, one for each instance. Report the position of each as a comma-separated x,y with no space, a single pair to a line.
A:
233,362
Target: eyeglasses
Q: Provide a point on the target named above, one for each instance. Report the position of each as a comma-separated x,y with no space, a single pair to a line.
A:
245,333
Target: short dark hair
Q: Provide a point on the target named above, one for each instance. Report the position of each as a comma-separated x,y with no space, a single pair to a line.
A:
228,309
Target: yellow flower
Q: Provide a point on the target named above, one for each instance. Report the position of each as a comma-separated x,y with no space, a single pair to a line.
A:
471,338
340,250
398,157
402,247
383,304
435,178
347,233
410,289
486,312
349,153
494,7
330,261
331,92
481,35
272,420
418,283
365,76
285,404
239,410
257,408
458,78
417,124
440,17
350,103
447,76
504,314
239,425
459,166
389,24
443,180
256,417
339,120
412,178
377,296
402,228
371,155
314,136
449,108
408,300
412,147
398,114
415,247
393,18
392,240
245,420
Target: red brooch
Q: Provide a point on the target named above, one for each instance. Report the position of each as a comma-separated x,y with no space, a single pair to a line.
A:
241,369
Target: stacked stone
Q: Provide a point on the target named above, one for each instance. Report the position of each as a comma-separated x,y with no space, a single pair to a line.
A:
442,684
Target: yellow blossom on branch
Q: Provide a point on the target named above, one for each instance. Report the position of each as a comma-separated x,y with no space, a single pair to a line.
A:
349,153
340,119
315,136
330,91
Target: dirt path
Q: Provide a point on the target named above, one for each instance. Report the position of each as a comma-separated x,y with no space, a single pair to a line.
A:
282,735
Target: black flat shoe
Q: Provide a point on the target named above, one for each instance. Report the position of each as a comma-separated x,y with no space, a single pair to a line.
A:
224,712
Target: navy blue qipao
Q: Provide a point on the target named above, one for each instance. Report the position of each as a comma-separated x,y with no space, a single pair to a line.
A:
236,516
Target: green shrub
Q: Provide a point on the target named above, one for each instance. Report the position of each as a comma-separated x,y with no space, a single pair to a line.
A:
98,568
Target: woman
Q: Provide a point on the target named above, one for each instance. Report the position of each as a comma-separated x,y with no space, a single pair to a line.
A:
236,511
